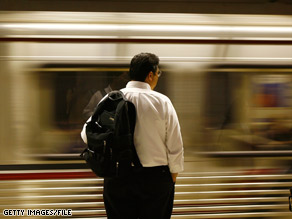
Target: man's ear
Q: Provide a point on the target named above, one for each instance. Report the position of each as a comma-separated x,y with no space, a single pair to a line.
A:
150,76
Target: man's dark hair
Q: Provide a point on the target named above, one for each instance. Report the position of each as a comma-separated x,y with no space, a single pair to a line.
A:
142,64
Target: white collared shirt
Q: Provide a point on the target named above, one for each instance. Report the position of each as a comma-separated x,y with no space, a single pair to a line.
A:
157,136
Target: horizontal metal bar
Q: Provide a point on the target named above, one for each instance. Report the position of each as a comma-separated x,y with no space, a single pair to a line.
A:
52,181
180,195
145,41
238,177
46,166
51,205
232,215
97,182
89,212
49,197
274,153
126,59
229,200
232,185
230,208
52,189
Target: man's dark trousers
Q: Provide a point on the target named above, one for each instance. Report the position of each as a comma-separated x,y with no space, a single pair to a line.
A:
148,193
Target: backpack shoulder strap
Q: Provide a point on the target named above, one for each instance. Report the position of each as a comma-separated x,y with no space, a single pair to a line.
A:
128,110
132,123
99,109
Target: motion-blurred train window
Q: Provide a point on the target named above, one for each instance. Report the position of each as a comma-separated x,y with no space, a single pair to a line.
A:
271,90
248,97
74,86
233,88
68,96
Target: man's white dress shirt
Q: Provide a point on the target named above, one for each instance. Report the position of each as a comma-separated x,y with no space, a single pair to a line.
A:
157,136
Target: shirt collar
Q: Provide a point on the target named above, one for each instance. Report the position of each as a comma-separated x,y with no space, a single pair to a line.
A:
138,84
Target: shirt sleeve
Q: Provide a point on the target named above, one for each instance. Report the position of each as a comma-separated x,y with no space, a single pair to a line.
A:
83,132
95,100
174,141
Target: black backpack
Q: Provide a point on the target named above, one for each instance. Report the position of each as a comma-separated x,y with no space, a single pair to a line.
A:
111,151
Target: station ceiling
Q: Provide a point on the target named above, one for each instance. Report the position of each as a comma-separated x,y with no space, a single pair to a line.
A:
269,7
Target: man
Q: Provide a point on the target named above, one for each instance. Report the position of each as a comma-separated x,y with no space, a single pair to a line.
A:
149,192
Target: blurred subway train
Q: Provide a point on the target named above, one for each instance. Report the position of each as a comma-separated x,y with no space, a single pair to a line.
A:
228,76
